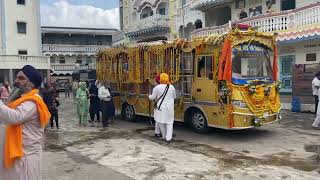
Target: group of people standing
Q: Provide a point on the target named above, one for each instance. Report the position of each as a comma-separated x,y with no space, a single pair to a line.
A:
50,97
93,100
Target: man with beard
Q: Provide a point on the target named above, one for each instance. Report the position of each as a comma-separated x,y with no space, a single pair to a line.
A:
25,116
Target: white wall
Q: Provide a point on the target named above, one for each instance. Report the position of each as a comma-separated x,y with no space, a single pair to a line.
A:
301,54
73,59
301,49
1,27
29,13
302,3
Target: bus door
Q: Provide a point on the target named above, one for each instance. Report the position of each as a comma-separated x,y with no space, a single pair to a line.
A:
204,86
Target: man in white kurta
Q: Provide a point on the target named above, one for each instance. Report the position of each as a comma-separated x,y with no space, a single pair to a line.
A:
315,90
28,167
157,131
164,113
27,116
316,122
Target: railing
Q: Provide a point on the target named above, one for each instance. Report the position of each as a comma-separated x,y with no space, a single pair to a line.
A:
207,31
277,21
17,62
72,67
118,37
72,48
151,21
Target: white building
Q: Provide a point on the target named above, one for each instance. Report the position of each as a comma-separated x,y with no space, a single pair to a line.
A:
186,20
71,48
20,38
145,20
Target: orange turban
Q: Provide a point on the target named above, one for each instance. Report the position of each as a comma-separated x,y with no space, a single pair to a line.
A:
164,78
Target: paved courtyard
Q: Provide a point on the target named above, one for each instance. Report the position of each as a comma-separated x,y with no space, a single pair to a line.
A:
127,150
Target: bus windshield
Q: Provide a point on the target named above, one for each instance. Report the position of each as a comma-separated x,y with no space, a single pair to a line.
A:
250,62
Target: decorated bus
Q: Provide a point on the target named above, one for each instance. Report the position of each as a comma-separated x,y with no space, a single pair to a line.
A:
227,81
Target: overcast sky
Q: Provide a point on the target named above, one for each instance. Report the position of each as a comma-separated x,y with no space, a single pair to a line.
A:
80,13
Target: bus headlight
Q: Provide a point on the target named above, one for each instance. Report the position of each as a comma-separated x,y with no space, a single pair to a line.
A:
257,122
279,116
239,104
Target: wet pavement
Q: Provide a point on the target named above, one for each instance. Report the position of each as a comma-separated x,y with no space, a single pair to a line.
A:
127,150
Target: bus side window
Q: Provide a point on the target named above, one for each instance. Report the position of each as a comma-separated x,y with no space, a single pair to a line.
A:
205,67
201,66
209,73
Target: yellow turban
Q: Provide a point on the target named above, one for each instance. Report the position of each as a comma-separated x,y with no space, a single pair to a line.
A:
164,78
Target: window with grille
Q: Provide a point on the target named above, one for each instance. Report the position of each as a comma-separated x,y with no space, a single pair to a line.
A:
89,61
240,4
287,66
62,60
162,11
52,60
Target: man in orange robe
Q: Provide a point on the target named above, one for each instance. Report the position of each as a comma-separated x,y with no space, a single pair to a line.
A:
23,118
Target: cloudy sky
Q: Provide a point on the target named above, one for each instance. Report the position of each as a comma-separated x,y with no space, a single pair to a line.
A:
80,13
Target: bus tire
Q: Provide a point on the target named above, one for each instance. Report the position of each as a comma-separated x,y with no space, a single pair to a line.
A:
128,113
198,122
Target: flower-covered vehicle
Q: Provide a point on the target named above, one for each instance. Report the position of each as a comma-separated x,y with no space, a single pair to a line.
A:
227,81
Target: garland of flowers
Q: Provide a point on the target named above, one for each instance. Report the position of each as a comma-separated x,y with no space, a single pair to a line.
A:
274,100
178,66
261,97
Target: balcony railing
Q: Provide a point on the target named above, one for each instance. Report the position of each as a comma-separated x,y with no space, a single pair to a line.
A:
277,21
17,62
207,31
72,67
118,37
62,48
156,20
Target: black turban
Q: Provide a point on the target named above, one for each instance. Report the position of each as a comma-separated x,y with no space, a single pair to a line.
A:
33,75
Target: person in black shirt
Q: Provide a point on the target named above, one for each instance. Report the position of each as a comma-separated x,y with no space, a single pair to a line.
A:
51,100
243,15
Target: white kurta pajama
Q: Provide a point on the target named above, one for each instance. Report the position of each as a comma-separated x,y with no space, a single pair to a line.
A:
316,122
164,116
28,167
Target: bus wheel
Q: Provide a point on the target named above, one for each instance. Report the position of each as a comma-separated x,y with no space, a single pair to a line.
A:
198,122
128,112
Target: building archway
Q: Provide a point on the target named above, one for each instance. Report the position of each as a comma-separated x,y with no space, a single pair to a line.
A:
162,8
146,12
